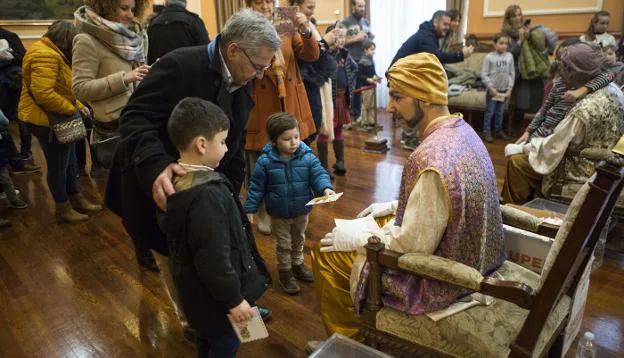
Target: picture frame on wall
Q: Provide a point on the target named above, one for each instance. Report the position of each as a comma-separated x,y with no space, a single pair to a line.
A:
496,8
37,12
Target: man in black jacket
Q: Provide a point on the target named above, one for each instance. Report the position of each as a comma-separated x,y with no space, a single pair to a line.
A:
427,39
173,28
145,160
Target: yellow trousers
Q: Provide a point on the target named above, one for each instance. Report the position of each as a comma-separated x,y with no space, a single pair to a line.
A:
522,183
332,272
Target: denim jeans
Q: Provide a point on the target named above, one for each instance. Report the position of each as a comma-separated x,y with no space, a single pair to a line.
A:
224,345
493,109
62,175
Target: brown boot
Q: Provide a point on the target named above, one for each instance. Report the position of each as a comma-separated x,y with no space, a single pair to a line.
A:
65,212
302,273
288,283
80,204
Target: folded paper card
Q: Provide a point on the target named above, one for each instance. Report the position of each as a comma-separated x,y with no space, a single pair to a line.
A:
324,199
250,330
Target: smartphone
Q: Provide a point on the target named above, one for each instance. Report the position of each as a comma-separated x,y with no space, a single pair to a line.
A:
527,22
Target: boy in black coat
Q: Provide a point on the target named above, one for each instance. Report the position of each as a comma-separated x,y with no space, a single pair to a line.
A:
214,261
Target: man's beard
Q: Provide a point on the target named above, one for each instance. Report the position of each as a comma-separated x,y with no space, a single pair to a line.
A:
416,119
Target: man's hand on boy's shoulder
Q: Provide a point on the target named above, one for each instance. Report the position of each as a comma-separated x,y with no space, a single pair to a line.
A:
163,185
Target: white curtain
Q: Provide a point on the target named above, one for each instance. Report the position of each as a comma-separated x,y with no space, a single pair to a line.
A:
393,22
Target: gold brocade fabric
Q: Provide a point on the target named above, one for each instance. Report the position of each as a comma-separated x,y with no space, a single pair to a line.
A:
332,272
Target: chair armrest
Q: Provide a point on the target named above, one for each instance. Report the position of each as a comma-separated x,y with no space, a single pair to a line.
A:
520,219
441,269
458,274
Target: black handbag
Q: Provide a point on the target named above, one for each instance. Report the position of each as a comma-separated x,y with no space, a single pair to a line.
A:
104,140
67,129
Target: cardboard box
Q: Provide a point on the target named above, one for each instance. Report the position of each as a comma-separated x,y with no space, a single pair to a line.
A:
530,250
525,248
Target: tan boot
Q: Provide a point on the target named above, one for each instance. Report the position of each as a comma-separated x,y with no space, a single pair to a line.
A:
80,204
65,212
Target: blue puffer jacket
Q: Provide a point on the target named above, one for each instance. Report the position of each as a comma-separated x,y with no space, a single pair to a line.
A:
286,184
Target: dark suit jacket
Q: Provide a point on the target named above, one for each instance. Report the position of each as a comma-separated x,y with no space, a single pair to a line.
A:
145,149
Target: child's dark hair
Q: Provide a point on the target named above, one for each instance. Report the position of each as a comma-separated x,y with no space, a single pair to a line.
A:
193,117
499,35
278,123
368,44
609,47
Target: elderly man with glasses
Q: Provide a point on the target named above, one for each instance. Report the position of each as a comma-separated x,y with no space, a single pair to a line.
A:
145,162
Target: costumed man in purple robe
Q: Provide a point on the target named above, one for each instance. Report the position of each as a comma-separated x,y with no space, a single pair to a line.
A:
448,206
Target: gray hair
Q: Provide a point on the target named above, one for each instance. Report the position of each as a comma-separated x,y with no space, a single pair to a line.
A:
251,30
176,2
438,14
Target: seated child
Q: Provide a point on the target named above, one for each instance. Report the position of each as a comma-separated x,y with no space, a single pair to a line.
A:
214,261
560,100
366,78
284,177
614,66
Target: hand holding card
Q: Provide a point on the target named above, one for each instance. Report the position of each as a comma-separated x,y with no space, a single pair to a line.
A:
250,330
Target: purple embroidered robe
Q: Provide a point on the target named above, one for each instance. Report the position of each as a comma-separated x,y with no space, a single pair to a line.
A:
474,235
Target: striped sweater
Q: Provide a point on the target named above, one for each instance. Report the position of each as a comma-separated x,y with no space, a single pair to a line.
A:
555,108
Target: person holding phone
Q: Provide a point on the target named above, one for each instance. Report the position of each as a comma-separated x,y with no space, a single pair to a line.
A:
527,94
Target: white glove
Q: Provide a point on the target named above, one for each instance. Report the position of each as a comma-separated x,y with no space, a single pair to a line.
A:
342,239
513,149
378,210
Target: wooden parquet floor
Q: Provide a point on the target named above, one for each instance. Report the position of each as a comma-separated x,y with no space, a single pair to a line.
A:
76,291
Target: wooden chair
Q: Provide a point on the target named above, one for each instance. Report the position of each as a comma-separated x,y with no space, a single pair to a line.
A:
528,316
563,192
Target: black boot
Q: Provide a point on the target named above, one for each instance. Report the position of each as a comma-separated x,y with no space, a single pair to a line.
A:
288,283
302,273
322,152
339,167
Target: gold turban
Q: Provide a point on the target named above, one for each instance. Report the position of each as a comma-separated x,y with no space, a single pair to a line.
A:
419,76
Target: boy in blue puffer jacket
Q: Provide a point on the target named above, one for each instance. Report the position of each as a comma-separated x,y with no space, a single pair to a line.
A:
284,177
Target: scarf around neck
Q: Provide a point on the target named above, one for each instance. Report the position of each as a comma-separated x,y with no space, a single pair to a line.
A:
128,43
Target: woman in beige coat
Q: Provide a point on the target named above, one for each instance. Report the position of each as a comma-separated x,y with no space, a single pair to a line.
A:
109,59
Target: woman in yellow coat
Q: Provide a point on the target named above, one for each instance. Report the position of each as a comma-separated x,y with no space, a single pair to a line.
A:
47,88
268,96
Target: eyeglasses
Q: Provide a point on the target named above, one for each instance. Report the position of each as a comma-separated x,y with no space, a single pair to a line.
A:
257,67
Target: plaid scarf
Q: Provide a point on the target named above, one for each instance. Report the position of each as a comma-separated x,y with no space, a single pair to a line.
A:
128,43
